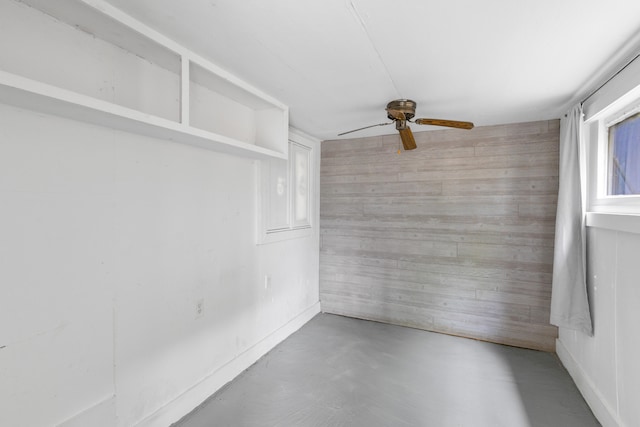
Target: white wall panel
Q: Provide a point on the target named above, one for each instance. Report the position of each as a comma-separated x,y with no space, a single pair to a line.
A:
129,273
605,365
110,242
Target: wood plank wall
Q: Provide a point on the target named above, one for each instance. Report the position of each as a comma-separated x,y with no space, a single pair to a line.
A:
455,236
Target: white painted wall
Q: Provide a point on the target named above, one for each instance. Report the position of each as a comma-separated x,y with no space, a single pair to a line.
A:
605,366
108,243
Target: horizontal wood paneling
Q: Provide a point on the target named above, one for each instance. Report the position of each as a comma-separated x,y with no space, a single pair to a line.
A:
455,236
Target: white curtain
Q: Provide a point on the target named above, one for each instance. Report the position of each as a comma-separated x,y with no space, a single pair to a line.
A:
569,302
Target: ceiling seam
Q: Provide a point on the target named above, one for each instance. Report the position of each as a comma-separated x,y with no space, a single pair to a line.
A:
366,32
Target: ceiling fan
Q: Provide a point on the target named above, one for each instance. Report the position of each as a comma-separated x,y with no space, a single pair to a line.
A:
400,112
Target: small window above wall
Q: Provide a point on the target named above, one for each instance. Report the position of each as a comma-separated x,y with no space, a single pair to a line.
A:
286,193
623,177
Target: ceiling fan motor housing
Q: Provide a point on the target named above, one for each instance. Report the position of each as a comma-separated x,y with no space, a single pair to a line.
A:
401,109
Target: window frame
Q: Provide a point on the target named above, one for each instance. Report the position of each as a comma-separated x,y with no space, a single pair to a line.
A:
289,227
596,136
293,187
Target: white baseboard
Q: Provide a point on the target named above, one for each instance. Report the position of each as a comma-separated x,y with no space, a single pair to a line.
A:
594,398
186,402
102,414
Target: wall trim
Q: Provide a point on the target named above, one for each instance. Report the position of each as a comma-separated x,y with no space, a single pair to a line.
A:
594,398
628,223
180,406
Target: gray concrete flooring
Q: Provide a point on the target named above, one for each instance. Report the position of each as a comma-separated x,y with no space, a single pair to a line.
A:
338,371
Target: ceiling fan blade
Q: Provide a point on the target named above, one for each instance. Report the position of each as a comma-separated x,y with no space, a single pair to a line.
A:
447,123
366,127
408,142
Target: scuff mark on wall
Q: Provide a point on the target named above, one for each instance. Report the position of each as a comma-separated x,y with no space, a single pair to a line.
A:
36,335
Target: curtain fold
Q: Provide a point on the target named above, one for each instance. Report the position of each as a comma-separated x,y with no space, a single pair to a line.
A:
569,301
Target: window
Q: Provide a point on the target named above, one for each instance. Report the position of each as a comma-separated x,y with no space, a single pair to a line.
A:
624,157
300,161
611,155
612,139
286,193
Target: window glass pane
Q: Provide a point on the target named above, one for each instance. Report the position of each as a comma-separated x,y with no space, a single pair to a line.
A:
624,157
300,164
278,215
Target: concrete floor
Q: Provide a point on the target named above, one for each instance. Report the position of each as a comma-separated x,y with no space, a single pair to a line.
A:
338,371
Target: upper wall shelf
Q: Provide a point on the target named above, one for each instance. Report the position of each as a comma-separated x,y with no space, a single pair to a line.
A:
94,63
38,96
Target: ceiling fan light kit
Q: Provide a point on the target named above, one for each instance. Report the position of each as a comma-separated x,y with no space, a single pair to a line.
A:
401,111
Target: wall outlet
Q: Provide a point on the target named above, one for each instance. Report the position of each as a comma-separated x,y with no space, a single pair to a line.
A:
199,308
267,282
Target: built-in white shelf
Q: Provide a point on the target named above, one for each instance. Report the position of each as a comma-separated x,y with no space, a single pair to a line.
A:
33,95
155,87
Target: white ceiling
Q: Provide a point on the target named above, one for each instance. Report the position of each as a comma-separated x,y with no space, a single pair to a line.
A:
336,63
